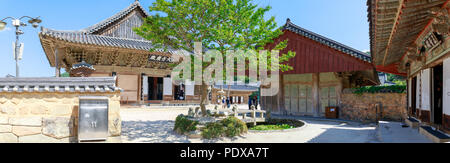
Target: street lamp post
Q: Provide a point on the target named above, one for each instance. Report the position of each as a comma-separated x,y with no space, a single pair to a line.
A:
18,23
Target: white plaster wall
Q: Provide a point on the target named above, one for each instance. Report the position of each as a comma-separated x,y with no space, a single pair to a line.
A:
446,85
190,87
144,85
167,88
426,89
418,101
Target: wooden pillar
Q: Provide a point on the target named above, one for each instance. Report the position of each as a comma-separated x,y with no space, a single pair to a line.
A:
57,70
315,94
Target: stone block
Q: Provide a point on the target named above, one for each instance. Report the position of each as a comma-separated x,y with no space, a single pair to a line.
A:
58,127
5,128
42,139
26,130
8,138
26,121
23,110
39,110
9,110
61,110
115,126
3,120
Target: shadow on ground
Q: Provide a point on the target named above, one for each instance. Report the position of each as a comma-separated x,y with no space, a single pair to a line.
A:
151,132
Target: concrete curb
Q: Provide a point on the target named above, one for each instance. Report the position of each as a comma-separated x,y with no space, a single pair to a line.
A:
319,119
282,131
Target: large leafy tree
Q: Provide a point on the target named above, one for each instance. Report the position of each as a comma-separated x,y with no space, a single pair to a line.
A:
220,25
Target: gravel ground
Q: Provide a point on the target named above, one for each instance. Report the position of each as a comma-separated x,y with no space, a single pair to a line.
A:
156,125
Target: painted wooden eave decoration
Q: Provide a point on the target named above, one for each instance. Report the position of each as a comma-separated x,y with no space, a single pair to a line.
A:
395,26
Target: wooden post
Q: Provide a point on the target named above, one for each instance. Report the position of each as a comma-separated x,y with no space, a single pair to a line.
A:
57,70
315,94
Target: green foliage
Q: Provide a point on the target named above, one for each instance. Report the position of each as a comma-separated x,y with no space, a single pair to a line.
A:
66,74
184,125
213,130
272,127
229,127
381,89
220,25
234,127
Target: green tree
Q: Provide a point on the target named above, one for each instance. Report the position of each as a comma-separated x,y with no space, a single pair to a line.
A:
220,25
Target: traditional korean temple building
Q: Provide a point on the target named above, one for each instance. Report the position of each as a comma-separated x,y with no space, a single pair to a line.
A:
410,38
322,69
112,48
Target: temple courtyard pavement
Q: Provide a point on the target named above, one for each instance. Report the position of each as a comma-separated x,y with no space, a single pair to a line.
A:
155,125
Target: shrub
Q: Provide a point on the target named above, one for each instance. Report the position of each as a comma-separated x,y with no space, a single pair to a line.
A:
380,89
184,125
213,130
234,127
229,127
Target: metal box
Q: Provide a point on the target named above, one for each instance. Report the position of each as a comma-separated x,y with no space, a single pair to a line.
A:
93,118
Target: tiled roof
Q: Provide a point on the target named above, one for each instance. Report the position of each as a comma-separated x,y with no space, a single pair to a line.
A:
326,41
82,65
117,16
92,84
83,38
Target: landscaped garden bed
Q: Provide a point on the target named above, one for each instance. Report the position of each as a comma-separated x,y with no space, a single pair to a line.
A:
276,125
209,127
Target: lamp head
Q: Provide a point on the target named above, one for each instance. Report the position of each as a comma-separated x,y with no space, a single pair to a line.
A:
35,22
2,25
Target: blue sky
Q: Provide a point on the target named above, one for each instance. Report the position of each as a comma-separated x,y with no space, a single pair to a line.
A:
342,20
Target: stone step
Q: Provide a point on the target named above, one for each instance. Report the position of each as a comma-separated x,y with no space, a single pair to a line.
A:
434,135
412,122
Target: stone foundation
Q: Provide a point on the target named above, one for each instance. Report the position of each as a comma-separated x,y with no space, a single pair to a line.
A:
362,107
48,117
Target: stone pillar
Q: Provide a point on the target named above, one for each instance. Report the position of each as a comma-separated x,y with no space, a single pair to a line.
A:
315,94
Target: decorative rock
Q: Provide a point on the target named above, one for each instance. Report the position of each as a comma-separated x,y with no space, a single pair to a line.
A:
5,128
25,130
197,112
8,138
58,127
42,139
191,112
26,121
195,135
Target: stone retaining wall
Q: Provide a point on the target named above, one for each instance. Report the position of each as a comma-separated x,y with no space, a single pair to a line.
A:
49,117
361,107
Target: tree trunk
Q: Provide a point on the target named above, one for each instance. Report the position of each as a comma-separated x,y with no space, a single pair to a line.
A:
204,98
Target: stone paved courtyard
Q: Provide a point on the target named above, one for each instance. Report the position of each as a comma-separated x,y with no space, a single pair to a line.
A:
156,125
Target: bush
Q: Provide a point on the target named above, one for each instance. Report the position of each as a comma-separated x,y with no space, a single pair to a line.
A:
213,130
184,125
381,89
234,127
229,127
